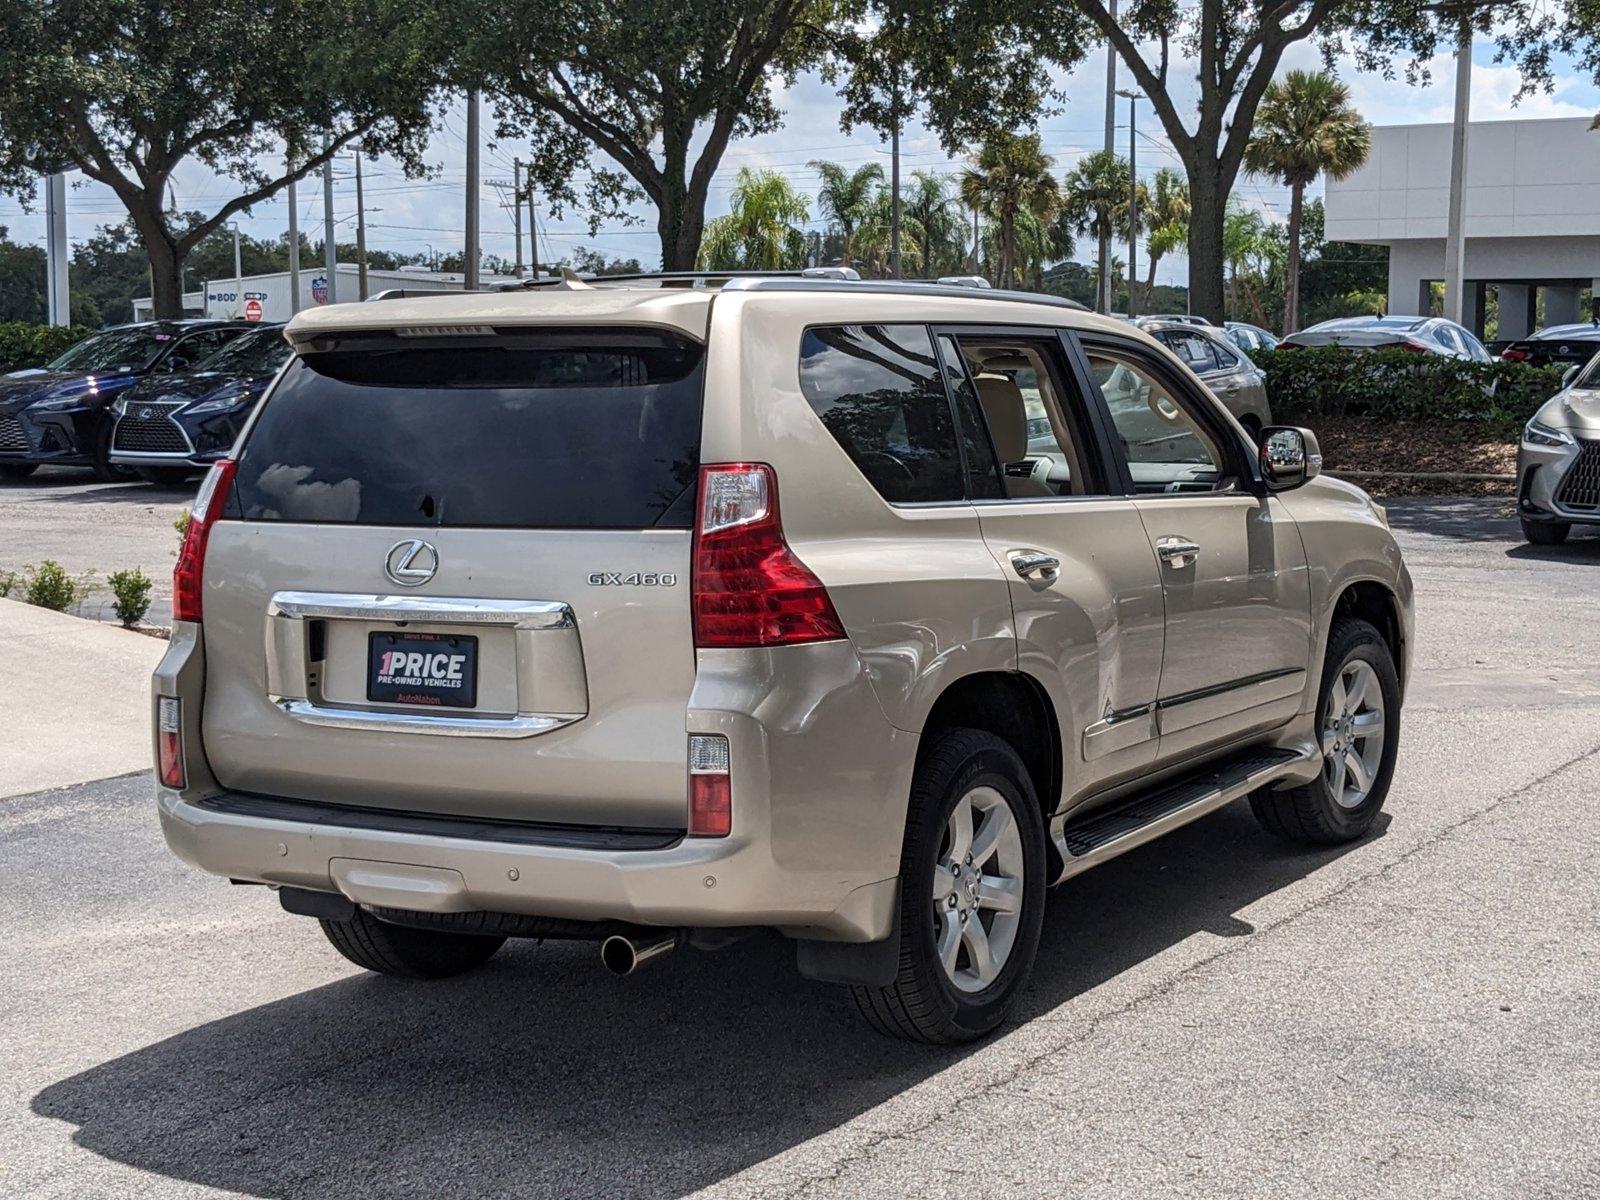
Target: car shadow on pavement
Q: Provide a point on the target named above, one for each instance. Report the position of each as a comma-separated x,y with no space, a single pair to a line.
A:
1465,518
541,1075
1576,550
122,493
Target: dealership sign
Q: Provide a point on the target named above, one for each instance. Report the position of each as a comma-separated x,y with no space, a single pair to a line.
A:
319,288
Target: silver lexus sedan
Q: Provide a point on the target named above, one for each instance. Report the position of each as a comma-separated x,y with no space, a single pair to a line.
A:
1558,463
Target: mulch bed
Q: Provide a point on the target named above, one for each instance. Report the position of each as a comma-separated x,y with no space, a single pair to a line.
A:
1359,444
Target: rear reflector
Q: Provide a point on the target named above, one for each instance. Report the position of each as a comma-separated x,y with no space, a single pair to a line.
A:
186,576
710,793
749,588
169,742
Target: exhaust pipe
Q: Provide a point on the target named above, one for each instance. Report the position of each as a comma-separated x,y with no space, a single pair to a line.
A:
623,954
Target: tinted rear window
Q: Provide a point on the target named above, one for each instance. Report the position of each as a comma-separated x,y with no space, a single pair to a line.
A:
592,430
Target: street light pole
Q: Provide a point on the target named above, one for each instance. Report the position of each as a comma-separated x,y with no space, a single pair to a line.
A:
1133,203
1103,292
330,249
470,265
294,249
361,230
1455,233
238,274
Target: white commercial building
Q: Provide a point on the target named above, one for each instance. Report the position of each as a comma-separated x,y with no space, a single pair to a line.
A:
266,297
1532,216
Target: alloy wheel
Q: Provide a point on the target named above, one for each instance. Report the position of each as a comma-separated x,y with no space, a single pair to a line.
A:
1352,734
978,889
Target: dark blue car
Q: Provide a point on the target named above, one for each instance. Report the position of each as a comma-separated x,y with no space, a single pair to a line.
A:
170,426
61,413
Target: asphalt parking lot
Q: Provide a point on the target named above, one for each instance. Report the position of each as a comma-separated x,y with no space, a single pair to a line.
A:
1215,1014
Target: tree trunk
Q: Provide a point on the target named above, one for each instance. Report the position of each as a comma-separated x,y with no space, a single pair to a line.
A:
681,224
166,264
1207,202
1150,284
1291,266
1007,234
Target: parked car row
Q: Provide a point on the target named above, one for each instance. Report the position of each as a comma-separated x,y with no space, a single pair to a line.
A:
160,400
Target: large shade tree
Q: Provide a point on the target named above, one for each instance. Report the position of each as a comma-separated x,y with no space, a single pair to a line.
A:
1306,127
127,91
1233,49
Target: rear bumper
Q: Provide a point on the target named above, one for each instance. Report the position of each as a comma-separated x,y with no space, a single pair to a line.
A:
693,882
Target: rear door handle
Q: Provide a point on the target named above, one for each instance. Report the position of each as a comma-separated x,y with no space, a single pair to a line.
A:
1177,551
1028,563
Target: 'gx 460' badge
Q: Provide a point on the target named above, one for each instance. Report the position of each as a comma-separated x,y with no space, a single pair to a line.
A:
632,579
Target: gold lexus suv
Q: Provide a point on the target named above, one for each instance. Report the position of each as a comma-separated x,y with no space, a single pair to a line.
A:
656,610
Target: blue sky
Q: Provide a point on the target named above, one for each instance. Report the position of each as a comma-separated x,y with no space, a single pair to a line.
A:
412,215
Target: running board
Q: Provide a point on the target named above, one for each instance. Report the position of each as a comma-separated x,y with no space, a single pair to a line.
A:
1105,833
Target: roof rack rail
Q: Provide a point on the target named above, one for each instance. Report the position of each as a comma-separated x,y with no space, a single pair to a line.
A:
904,287
572,278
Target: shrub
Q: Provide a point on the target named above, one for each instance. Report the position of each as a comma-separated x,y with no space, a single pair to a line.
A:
24,344
131,595
181,524
1398,385
8,580
49,586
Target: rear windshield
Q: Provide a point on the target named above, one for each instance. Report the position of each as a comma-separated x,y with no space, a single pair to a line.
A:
584,430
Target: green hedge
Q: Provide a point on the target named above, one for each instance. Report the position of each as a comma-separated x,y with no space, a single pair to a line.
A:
24,344
1399,385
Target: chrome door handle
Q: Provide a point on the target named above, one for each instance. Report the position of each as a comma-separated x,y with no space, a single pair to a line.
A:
1031,562
1177,551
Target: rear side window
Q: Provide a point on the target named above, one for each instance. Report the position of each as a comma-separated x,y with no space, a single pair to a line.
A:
578,430
879,391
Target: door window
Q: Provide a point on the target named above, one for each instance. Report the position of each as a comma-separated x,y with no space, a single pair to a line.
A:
1194,351
1035,424
1167,449
879,391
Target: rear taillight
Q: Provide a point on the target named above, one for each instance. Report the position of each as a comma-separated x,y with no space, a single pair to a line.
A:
192,555
749,588
1512,354
1287,345
1414,347
169,742
710,792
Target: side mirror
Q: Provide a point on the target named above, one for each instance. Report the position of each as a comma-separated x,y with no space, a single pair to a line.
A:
1289,456
1570,375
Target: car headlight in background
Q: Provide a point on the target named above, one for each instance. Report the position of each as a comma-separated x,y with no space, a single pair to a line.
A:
219,404
1536,434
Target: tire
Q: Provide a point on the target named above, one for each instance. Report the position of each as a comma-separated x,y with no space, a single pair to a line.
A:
926,1003
1545,533
165,476
17,471
100,462
1312,813
405,952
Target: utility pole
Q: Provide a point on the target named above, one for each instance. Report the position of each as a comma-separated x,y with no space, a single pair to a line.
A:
361,231
330,251
1455,234
1133,203
294,248
516,211
55,221
238,273
1103,292
470,282
533,229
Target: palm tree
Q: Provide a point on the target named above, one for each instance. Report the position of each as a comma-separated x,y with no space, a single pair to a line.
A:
762,232
927,207
1305,127
845,198
1167,219
1097,196
1011,175
1249,249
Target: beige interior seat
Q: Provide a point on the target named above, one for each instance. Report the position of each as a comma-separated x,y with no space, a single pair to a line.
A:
1007,415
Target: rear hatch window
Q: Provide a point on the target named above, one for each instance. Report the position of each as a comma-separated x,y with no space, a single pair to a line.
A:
591,429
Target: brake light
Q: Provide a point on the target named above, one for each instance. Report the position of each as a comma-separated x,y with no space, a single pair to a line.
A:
749,588
1286,344
169,742
192,555
1512,354
1413,346
710,792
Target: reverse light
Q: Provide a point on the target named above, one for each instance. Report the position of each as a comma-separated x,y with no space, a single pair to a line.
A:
169,742
710,792
750,589
208,503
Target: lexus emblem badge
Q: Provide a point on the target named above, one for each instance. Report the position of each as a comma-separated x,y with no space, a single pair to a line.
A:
411,563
